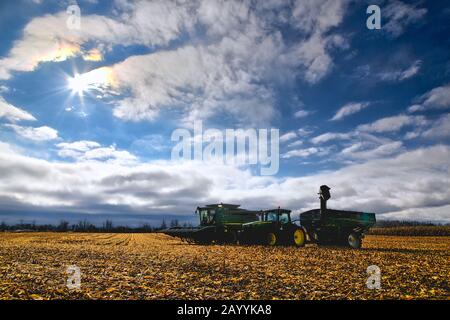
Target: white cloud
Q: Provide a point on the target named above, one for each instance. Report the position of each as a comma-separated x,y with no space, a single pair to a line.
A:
75,149
401,15
302,114
329,136
37,134
437,98
295,144
401,74
349,109
318,16
91,150
288,136
394,123
304,153
358,151
439,129
12,113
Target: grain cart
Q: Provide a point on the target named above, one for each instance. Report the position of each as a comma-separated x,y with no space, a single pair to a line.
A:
274,227
335,227
219,223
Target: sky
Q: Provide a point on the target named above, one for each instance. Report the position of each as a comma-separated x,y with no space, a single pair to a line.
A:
87,111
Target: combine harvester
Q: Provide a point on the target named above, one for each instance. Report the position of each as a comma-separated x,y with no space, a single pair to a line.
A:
229,224
219,223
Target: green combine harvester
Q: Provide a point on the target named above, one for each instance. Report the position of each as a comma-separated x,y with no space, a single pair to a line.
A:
219,223
229,224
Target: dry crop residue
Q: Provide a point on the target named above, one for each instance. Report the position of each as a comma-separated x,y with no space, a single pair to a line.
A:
155,266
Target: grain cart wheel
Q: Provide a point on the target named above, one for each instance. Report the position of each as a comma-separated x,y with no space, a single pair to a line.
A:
272,239
354,240
299,238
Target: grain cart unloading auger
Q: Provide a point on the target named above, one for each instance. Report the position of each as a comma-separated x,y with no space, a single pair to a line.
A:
227,223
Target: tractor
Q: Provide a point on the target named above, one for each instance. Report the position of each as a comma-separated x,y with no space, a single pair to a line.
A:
274,227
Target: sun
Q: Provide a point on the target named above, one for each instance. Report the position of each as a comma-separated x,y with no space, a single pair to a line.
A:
78,84
98,79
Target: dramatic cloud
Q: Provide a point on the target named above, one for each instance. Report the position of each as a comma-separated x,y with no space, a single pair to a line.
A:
48,38
349,109
229,74
234,64
37,134
413,179
228,71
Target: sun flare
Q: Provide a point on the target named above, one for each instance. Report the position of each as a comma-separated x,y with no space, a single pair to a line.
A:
78,84
93,80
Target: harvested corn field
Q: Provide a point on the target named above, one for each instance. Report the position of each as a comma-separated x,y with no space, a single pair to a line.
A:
156,266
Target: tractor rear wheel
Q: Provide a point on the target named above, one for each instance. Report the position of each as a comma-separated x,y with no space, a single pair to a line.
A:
272,239
354,241
299,237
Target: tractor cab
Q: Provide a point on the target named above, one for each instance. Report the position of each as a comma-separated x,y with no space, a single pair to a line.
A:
279,216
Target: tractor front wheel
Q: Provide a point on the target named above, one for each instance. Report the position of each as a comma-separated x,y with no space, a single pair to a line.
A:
272,239
299,238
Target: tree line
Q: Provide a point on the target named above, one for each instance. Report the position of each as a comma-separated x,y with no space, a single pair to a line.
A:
86,226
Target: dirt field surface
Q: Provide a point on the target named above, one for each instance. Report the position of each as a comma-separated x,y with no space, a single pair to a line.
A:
155,266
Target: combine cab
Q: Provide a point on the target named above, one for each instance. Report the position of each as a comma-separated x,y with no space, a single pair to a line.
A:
273,228
219,223
335,227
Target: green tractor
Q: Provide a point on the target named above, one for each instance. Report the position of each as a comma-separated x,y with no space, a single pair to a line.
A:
219,224
274,227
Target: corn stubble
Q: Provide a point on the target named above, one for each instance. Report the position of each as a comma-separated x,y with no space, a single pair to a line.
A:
155,266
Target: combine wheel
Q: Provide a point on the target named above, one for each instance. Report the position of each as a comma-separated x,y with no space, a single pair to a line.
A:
272,239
